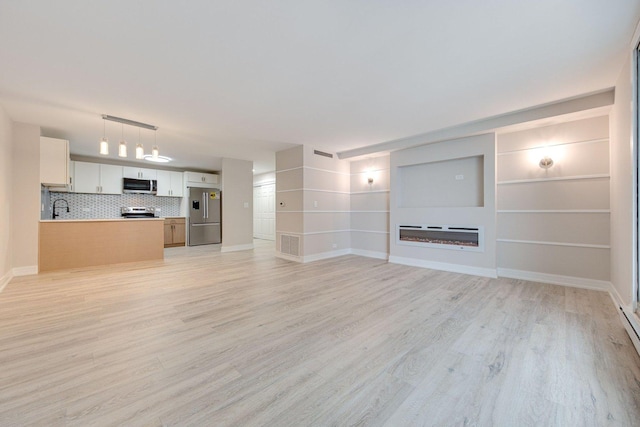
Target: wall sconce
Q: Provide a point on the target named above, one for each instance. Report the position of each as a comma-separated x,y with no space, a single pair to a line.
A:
546,162
370,180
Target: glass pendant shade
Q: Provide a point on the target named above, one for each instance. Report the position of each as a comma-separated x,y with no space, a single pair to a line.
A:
139,152
122,149
104,146
155,152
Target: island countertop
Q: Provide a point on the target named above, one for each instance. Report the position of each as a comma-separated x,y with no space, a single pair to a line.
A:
75,243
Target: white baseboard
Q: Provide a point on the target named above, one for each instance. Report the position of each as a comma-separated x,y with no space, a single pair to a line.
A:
25,271
455,268
236,248
370,254
289,257
628,317
314,257
5,280
326,255
555,279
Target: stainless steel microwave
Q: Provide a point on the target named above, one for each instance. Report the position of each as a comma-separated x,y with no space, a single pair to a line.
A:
139,186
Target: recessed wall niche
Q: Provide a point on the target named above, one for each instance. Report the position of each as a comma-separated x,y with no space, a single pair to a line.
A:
444,184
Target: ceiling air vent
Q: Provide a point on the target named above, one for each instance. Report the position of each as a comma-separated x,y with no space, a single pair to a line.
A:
322,153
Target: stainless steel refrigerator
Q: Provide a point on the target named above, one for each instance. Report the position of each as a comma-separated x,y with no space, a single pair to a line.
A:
204,216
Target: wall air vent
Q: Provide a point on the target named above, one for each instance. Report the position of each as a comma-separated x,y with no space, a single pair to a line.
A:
322,153
290,245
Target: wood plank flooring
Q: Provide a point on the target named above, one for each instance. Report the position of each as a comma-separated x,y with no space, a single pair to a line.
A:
205,338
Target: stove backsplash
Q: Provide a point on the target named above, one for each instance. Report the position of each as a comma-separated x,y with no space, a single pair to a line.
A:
101,206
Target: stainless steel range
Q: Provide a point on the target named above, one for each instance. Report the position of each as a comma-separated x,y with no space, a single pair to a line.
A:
138,212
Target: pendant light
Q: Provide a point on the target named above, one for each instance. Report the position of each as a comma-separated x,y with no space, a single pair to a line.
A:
122,147
104,142
154,151
139,148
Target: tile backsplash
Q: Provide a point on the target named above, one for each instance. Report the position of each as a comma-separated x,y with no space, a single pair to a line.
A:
100,206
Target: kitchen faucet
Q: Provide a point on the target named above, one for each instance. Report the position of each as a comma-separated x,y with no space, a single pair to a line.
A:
54,214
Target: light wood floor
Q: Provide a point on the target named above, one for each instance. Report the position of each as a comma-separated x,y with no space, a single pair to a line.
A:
244,339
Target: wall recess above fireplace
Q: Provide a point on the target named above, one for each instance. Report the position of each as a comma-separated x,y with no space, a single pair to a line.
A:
464,238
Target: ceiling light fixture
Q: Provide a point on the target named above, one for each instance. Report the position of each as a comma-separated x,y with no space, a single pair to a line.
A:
104,142
122,147
155,153
159,159
139,148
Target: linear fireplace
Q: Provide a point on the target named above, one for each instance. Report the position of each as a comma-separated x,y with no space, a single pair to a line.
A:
442,236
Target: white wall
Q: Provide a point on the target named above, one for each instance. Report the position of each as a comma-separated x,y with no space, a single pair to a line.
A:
312,204
622,261
264,178
237,205
370,207
25,203
553,224
6,191
480,263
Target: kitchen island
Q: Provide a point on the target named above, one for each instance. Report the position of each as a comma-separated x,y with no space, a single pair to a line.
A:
65,244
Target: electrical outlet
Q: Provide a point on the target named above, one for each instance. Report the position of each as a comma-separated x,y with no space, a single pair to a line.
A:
86,209
246,205
335,246
315,203
459,177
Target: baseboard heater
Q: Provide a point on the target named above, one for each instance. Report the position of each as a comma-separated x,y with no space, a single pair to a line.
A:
462,238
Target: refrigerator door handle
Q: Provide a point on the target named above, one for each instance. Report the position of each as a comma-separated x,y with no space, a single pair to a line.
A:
204,206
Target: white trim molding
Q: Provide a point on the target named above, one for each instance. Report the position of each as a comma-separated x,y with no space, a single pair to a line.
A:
455,268
4,281
558,178
370,254
555,279
334,254
539,242
628,317
553,211
537,147
236,248
25,271
359,193
288,257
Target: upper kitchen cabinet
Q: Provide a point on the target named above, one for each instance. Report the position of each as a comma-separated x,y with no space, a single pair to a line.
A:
200,179
170,184
139,173
97,178
54,162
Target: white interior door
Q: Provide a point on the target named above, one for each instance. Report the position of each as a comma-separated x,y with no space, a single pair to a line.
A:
264,211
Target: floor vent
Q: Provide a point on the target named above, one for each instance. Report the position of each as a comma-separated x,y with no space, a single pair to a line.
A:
290,245
322,153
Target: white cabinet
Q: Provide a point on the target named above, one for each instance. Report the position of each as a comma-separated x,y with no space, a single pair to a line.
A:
96,178
139,173
201,179
54,161
170,184
110,179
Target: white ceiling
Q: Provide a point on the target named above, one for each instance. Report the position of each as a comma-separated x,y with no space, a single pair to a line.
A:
244,79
